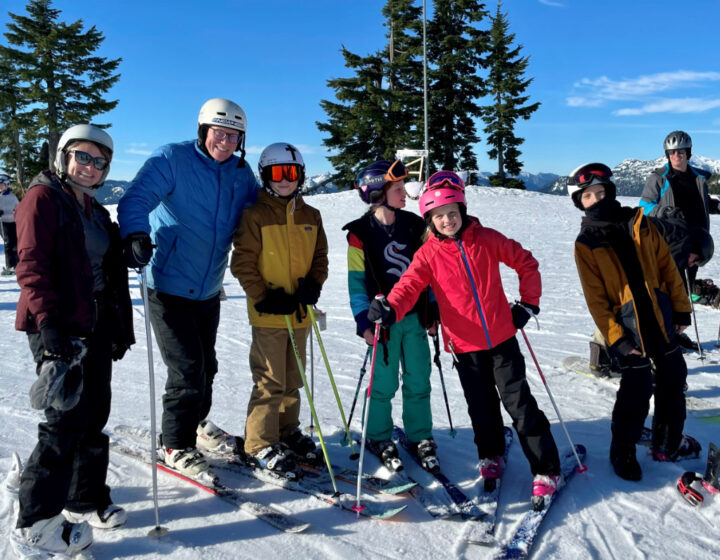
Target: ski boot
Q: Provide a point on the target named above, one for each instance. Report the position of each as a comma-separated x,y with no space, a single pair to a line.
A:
491,469
544,486
277,459
689,448
387,452
212,438
111,517
304,448
50,538
189,462
424,450
624,461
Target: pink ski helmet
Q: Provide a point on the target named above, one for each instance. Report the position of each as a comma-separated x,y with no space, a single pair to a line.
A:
443,187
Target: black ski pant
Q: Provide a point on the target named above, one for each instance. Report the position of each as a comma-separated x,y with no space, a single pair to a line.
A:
633,398
9,235
185,330
68,467
501,370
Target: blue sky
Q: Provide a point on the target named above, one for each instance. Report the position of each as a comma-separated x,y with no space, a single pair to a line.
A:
613,77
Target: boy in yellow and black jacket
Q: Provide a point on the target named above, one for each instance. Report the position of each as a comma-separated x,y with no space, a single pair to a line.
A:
280,258
636,297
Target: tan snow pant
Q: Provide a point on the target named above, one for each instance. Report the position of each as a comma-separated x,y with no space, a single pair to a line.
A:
274,407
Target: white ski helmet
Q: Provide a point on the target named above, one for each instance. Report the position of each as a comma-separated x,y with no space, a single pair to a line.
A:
222,112
81,133
677,140
281,153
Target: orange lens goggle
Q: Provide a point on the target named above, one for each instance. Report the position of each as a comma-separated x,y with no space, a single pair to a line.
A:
278,172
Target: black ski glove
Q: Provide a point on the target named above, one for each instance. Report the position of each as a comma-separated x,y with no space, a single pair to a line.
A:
308,292
118,351
138,249
57,346
521,313
277,302
381,312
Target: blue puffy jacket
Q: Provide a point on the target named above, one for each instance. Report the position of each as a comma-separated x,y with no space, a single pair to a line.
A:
190,205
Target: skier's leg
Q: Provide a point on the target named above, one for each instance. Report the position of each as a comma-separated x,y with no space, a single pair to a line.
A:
415,363
530,422
481,396
670,377
289,418
385,384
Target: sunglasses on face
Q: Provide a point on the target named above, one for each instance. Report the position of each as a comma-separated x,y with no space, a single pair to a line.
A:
277,173
680,152
586,174
83,158
221,135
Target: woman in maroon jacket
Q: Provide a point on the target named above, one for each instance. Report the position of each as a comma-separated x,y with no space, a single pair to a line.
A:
75,307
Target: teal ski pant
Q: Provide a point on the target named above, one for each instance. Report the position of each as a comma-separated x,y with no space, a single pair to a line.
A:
407,349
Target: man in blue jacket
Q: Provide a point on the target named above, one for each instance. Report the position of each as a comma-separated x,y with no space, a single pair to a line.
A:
186,201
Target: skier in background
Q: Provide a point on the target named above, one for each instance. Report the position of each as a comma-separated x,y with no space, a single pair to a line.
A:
461,262
680,190
280,257
8,203
381,245
635,295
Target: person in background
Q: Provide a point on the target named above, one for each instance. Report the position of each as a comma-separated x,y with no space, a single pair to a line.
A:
177,218
280,257
680,190
381,245
8,202
75,308
635,295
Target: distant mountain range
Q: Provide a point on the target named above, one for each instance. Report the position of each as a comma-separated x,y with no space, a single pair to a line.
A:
629,175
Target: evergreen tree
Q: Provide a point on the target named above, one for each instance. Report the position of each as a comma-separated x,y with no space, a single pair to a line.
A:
62,80
455,50
505,85
379,108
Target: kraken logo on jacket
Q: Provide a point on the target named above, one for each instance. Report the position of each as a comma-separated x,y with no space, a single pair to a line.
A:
393,255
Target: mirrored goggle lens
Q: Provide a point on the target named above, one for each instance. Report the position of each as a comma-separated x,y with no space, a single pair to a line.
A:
84,158
289,172
587,174
445,179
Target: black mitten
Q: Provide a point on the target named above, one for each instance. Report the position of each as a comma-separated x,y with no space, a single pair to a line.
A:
138,249
277,302
308,292
521,313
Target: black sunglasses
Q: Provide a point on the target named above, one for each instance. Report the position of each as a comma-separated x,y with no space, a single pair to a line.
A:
84,158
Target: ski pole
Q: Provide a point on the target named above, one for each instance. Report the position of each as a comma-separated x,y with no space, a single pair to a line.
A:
692,307
436,360
357,391
158,531
311,427
358,507
581,467
291,333
311,313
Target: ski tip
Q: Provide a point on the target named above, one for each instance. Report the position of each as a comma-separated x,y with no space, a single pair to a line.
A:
16,462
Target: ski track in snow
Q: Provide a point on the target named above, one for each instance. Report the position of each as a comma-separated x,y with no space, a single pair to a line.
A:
597,516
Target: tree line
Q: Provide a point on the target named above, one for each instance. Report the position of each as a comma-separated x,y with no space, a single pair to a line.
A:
474,72
50,79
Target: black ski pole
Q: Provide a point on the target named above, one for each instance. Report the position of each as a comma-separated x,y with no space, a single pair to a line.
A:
436,360
357,392
692,307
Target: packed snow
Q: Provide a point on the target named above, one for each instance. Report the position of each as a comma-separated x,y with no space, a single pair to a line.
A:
597,515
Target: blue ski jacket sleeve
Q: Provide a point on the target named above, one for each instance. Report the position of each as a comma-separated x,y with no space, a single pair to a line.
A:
190,205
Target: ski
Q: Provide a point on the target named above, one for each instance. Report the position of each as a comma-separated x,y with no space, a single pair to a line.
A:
230,450
521,542
482,531
465,506
276,518
697,407
234,464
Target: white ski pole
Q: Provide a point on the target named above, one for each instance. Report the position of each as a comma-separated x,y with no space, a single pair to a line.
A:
158,531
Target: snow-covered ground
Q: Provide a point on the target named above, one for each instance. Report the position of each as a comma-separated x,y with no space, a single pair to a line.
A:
597,516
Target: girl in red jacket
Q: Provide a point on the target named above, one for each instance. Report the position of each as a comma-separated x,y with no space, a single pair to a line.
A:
460,261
